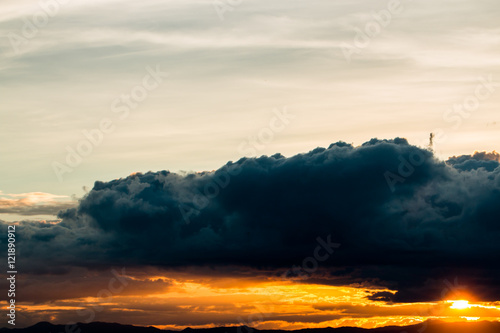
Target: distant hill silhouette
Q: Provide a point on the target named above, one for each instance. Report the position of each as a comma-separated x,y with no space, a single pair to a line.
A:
428,327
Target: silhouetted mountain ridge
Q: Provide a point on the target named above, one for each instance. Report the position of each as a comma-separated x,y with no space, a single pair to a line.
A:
95,327
100,327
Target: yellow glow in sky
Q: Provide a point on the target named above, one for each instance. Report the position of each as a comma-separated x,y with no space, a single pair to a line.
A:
459,305
263,304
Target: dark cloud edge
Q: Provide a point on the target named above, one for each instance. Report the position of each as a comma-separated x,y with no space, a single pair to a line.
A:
403,219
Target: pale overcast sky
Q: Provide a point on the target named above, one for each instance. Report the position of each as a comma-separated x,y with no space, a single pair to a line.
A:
232,67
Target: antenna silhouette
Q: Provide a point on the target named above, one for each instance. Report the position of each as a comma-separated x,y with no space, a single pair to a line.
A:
431,141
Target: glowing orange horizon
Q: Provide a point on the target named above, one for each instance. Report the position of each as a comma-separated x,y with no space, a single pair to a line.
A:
263,304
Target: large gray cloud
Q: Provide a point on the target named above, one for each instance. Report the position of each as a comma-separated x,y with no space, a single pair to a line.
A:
433,221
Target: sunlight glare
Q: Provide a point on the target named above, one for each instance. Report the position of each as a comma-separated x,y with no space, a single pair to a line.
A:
459,305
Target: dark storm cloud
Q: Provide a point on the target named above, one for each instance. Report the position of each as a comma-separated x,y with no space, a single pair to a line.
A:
440,222
489,161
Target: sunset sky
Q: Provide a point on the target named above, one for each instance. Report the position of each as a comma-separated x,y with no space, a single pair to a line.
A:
383,224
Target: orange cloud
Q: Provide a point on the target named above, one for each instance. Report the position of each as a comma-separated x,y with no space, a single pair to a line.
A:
183,300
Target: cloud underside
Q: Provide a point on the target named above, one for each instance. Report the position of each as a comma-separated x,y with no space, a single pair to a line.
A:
404,220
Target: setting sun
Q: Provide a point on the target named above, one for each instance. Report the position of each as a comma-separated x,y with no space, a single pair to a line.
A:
459,305
249,166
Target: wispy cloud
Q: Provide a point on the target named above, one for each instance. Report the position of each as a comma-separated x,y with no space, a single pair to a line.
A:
34,203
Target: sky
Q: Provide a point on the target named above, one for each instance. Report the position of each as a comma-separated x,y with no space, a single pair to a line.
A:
134,130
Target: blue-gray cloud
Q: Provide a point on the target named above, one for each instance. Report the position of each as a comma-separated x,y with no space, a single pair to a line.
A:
441,220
